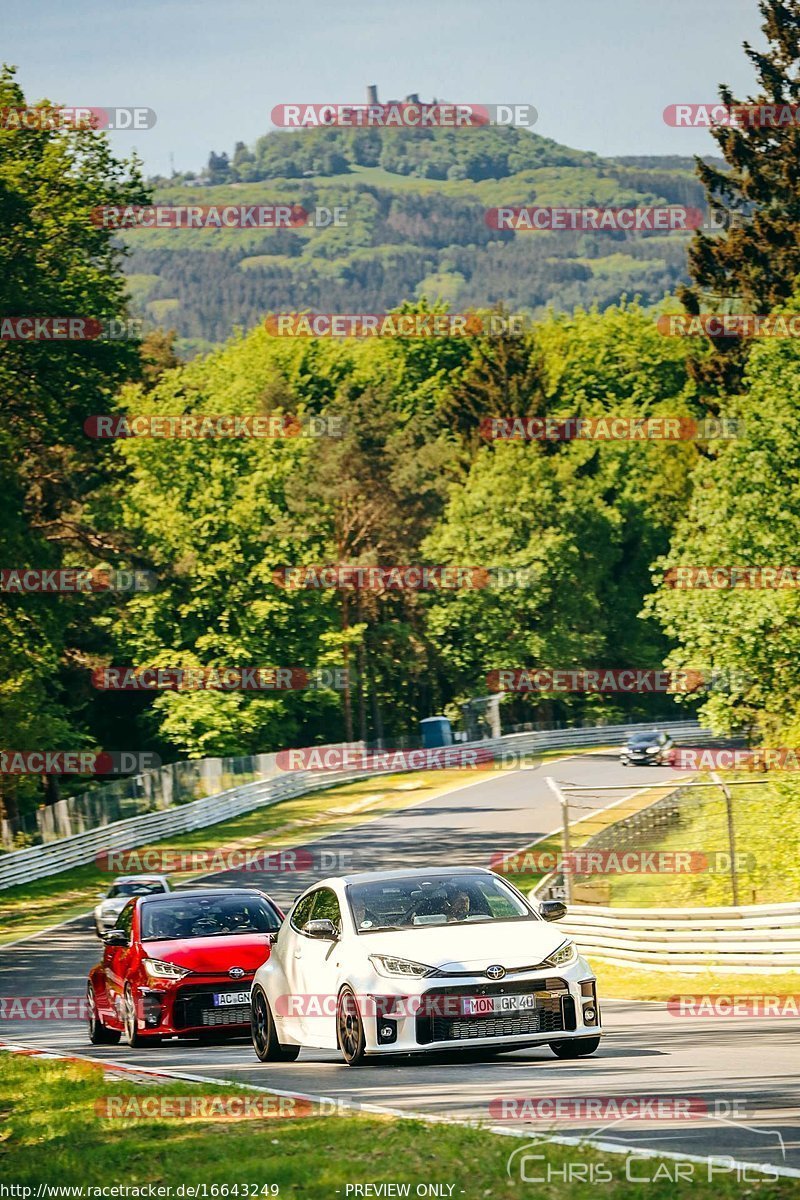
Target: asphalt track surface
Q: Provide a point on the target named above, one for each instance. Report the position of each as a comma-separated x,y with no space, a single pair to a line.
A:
745,1071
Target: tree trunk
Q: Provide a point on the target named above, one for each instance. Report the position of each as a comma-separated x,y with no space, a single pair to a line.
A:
346,698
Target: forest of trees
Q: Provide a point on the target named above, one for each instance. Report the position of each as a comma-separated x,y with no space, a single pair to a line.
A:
596,524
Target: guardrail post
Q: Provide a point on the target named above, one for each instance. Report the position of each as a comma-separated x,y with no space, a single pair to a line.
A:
567,868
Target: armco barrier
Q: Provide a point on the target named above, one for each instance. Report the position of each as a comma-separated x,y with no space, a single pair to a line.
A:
759,938
22,866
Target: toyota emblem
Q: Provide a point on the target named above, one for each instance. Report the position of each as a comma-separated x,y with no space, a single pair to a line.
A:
495,972
236,972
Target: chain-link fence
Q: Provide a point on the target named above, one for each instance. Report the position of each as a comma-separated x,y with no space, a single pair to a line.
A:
176,783
689,847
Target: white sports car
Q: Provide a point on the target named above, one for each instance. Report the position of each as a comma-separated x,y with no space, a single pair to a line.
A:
402,962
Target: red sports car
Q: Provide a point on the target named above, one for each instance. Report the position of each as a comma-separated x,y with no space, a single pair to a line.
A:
181,964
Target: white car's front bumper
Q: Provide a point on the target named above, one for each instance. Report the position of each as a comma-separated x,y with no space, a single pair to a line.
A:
406,1016
106,918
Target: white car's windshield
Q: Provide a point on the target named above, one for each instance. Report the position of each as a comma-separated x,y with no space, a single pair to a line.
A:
135,888
408,903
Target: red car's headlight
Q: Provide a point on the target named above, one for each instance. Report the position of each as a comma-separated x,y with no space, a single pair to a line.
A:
157,969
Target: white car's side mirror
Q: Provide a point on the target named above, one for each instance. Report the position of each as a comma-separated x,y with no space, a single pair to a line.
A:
322,928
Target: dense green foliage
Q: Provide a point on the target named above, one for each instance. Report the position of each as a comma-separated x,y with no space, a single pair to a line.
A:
754,265
403,485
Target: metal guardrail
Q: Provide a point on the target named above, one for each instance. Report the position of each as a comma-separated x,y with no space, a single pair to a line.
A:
760,937
598,735
37,862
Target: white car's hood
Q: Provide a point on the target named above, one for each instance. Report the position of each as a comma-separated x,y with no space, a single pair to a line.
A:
469,946
115,905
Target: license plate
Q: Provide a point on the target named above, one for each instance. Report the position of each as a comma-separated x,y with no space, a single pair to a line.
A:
483,1006
223,999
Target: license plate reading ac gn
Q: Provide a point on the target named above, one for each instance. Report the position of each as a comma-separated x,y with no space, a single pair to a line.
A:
221,999
480,1006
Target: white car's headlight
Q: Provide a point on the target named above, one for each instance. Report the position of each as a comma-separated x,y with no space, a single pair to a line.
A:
388,964
651,749
157,969
563,956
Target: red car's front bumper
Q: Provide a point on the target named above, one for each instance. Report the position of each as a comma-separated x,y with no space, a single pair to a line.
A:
193,1006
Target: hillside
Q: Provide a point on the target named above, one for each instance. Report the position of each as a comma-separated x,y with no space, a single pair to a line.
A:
415,226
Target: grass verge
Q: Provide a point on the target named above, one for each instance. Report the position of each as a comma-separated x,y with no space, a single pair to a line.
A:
636,983
53,1135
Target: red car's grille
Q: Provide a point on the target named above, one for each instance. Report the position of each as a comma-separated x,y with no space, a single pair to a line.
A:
194,1007
227,1016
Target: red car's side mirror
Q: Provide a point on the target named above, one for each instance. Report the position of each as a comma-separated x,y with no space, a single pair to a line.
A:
116,937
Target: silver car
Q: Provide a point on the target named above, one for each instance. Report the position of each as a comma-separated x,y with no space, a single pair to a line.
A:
114,900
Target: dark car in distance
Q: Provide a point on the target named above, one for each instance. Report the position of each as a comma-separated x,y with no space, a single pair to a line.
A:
650,749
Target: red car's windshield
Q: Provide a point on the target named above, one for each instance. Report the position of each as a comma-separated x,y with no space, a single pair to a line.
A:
202,916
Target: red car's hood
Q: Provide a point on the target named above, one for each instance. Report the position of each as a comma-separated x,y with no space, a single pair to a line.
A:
213,954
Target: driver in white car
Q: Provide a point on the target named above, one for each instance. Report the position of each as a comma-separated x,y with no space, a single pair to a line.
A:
458,909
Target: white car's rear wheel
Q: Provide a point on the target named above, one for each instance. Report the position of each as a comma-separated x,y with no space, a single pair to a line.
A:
350,1029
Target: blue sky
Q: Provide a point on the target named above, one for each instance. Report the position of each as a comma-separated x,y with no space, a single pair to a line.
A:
600,72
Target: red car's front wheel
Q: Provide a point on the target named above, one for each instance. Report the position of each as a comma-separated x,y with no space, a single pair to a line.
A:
99,1034
132,1035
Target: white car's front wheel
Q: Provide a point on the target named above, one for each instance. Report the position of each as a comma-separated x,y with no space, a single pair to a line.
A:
575,1047
350,1029
265,1035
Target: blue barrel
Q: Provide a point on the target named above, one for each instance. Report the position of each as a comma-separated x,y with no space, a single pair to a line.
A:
436,731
